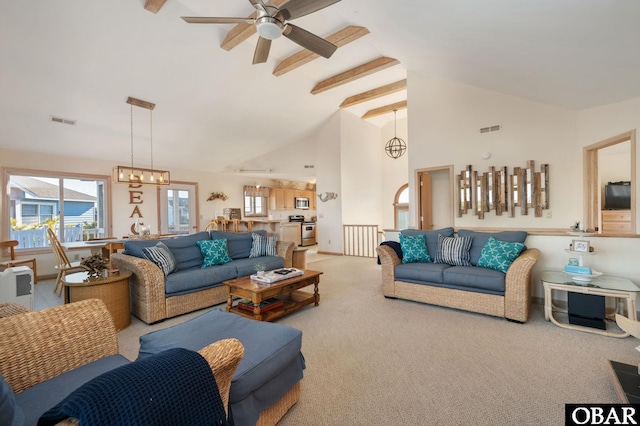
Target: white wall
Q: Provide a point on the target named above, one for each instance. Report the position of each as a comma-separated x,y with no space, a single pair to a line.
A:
394,171
329,179
444,123
444,119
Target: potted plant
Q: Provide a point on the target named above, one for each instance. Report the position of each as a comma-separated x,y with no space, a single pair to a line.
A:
260,268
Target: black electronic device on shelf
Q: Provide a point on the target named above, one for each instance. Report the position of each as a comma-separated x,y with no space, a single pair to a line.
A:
617,195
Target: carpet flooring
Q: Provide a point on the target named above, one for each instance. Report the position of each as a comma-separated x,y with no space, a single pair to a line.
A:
372,360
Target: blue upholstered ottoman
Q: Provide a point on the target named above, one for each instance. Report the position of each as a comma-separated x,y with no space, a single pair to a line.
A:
272,364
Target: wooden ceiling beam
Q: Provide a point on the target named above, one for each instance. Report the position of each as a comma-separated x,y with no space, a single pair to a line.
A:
385,109
241,32
354,74
154,5
374,93
342,37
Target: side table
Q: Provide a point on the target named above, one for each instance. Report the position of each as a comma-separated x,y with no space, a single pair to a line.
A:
113,290
300,258
605,285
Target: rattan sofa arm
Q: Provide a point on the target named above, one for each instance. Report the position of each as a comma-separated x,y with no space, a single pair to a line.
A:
285,251
223,357
388,260
37,346
517,291
146,286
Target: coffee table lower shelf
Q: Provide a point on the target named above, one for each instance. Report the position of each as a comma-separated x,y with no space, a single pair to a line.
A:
287,290
296,300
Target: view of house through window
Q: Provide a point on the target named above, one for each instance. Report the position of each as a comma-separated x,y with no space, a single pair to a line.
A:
74,207
401,207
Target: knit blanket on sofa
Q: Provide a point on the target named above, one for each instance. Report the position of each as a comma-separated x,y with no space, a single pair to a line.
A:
174,387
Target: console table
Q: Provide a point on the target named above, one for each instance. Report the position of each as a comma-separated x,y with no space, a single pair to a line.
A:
604,285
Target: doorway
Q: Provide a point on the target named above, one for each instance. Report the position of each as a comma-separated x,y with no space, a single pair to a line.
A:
178,208
596,176
435,197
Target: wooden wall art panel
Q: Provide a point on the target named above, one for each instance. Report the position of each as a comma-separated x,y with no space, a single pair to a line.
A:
501,191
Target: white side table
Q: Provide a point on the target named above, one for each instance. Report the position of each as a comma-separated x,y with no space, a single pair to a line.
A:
605,285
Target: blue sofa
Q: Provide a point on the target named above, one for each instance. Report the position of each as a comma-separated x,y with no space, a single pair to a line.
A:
472,288
155,297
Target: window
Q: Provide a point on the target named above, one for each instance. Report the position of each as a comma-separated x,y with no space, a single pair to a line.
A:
73,206
256,199
401,207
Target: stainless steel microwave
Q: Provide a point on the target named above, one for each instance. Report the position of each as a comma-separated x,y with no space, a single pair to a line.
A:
302,203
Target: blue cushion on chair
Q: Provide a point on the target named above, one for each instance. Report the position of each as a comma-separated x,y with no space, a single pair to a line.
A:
430,236
481,238
161,256
10,413
239,244
214,252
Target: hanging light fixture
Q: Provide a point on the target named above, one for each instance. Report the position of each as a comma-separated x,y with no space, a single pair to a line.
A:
396,147
140,175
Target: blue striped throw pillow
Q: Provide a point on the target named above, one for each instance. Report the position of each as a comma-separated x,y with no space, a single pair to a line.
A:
161,256
453,251
263,245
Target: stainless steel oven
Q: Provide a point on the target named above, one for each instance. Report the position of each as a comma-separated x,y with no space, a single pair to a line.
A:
308,234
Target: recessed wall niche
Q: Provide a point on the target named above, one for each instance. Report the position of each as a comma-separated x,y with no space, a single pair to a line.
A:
497,189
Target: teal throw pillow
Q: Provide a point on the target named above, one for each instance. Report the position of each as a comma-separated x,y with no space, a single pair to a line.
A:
499,255
215,252
414,249
453,251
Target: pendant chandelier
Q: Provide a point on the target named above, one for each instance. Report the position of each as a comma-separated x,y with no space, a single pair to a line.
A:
396,147
140,175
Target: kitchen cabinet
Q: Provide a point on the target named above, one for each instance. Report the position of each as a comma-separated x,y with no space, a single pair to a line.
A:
291,231
284,198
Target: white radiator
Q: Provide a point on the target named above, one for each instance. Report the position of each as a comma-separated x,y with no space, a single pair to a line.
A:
16,285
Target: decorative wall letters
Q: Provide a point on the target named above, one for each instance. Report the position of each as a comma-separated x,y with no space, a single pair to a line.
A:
503,192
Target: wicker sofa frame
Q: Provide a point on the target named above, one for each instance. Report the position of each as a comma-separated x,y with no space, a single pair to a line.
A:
37,346
514,305
149,301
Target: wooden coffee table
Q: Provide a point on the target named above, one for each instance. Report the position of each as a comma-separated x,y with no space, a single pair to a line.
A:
285,290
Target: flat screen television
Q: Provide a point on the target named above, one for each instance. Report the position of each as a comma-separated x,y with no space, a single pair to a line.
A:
617,196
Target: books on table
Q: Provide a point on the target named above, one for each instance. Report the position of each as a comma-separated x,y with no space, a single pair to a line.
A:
277,275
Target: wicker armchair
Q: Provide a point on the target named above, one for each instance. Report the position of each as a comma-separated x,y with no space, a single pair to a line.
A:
514,305
37,346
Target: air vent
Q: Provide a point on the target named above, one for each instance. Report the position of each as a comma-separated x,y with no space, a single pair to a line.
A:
495,128
309,166
62,120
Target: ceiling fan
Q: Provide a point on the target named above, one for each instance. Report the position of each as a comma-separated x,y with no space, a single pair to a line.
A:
271,22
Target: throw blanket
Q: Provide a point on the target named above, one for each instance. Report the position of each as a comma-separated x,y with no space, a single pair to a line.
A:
395,246
174,387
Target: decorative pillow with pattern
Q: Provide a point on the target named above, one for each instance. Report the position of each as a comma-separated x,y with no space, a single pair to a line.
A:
161,256
499,255
453,251
215,252
263,245
414,249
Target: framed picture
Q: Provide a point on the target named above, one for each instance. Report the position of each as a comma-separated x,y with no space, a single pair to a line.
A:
581,246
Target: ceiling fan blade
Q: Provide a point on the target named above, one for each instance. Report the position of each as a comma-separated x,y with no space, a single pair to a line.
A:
309,41
211,20
296,8
262,51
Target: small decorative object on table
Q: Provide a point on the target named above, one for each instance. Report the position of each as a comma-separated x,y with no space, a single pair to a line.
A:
260,268
95,265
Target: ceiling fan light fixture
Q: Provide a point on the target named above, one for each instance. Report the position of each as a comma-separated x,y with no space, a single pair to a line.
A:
269,28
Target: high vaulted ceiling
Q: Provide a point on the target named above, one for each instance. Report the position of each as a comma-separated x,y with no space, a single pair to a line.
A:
80,60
